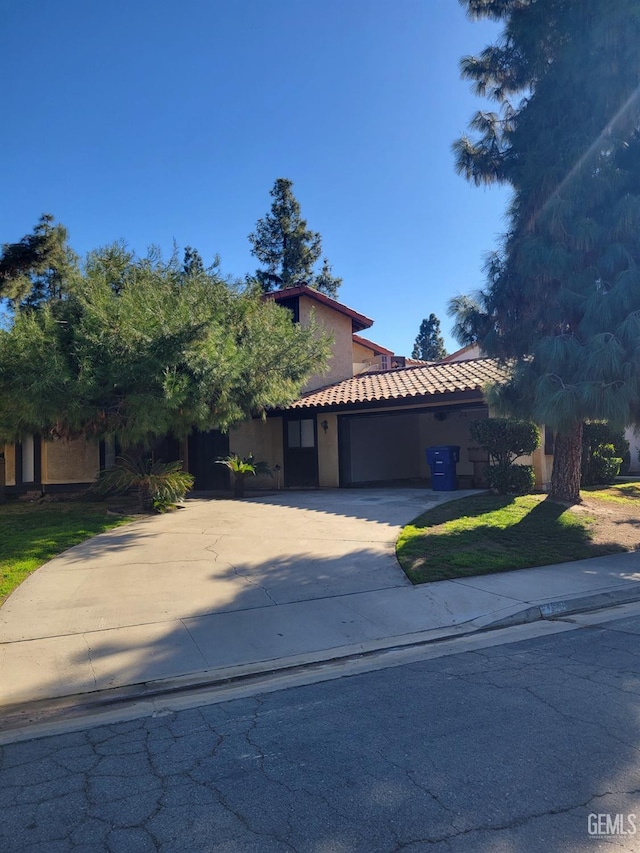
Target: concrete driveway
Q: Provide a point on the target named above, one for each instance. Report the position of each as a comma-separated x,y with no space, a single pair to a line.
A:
225,589
207,586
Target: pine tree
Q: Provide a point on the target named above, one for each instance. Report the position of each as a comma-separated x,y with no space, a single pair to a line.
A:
138,349
325,281
192,263
429,345
287,248
39,267
562,298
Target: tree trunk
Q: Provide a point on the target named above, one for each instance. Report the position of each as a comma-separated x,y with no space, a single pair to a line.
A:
567,459
145,498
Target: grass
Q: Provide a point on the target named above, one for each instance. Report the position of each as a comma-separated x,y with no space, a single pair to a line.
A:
494,533
31,534
622,493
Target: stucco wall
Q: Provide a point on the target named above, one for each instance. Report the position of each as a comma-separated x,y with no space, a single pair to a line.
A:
365,358
542,463
328,460
361,354
264,440
340,327
69,461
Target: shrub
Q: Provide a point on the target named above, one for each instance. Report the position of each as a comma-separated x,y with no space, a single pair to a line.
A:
511,480
159,485
603,452
243,468
506,439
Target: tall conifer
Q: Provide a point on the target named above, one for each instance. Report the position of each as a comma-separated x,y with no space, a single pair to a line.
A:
287,249
429,345
562,298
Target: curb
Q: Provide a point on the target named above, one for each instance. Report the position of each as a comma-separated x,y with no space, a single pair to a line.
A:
559,609
21,716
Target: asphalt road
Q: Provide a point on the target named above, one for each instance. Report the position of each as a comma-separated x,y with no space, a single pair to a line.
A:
504,749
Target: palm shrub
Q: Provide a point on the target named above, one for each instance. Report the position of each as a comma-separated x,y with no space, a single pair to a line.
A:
505,440
241,468
159,485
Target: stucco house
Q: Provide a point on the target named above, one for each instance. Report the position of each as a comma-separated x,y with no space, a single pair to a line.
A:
368,419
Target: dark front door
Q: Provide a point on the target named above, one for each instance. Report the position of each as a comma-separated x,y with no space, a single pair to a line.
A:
204,449
300,452
166,449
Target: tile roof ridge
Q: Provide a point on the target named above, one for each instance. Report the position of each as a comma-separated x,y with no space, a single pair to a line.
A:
429,364
332,384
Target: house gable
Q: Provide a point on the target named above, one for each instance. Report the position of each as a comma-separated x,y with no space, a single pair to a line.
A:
331,316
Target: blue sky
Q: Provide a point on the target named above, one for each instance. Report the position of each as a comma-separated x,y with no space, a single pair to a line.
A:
154,121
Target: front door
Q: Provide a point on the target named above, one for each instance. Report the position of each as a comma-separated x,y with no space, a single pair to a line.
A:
204,449
300,452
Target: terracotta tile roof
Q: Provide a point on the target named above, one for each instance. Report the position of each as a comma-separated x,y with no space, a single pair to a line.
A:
417,362
406,383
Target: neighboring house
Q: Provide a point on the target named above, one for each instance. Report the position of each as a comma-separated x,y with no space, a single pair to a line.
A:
365,420
368,356
633,438
464,354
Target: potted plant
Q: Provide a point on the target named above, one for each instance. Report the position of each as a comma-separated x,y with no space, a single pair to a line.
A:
241,468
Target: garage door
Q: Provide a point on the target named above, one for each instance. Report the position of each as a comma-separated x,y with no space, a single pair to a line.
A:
379,448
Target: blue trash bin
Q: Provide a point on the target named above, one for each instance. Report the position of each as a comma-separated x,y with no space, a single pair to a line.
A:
442,460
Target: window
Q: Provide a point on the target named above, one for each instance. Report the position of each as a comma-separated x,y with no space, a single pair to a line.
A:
301,433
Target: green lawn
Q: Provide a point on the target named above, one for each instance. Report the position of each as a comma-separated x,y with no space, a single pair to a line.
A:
494,533
620,493
31,534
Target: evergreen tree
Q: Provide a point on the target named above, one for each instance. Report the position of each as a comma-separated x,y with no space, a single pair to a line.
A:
139,349
39,267
192,263
325,281
429,345
562,298
285,246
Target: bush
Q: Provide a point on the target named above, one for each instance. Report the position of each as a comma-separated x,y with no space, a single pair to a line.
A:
511,480
506,439
603,452
159,485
